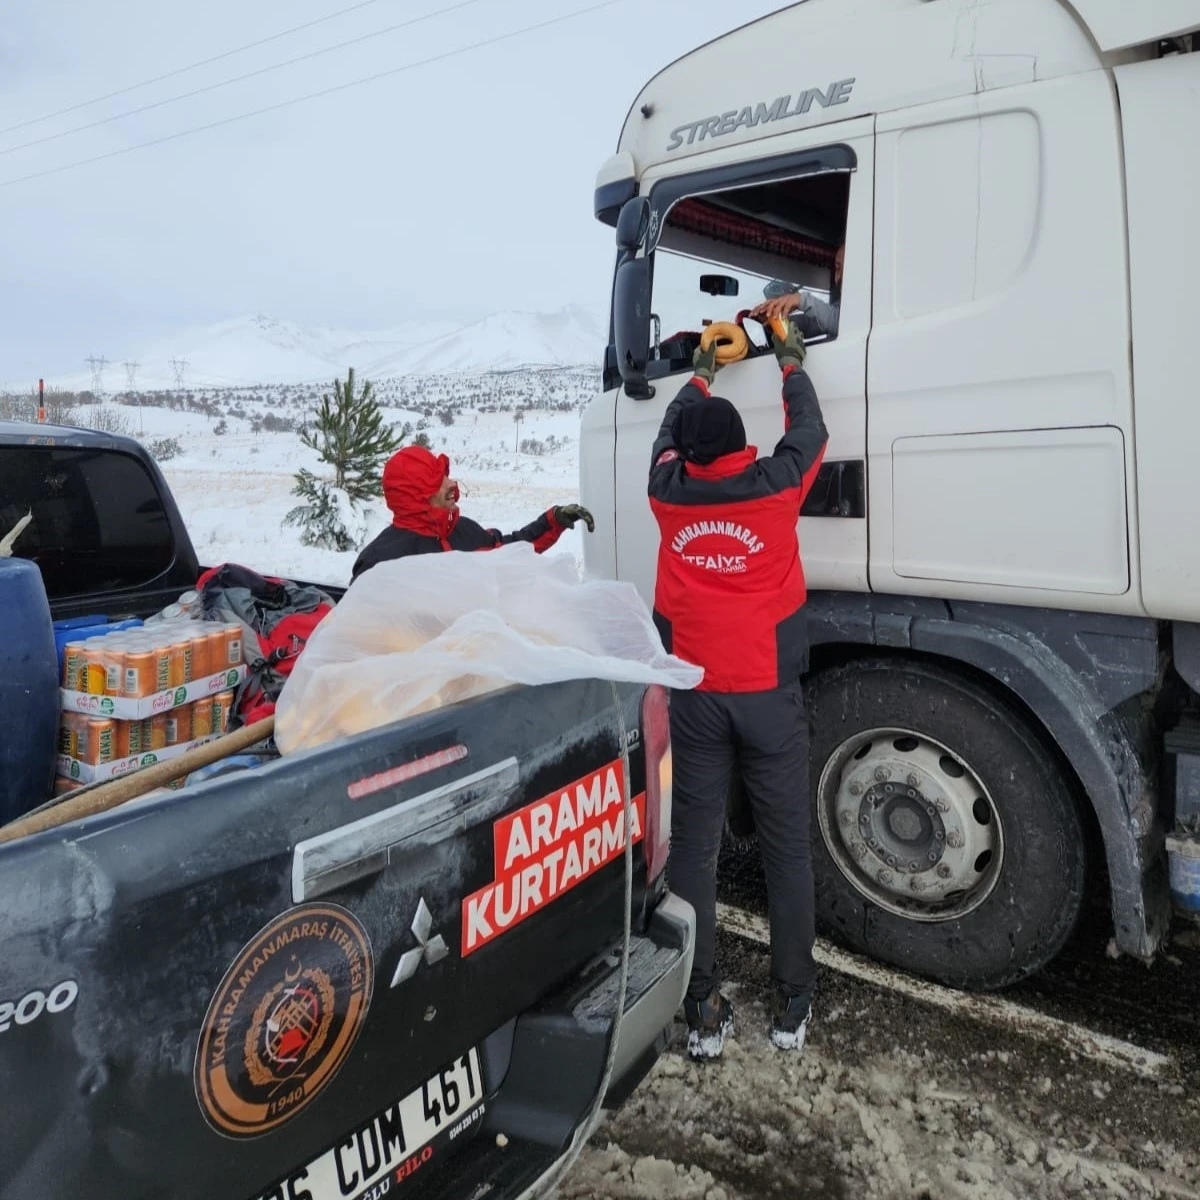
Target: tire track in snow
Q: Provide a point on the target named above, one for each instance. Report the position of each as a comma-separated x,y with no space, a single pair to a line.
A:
993,1010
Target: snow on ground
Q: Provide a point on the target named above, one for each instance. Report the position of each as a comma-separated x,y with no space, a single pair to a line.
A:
891,1100
234,489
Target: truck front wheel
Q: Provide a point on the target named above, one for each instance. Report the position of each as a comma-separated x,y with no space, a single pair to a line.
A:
945,838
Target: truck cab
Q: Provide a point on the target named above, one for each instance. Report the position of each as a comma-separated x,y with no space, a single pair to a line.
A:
997,199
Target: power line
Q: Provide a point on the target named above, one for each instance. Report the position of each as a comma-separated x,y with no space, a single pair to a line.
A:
212,87
341,87
133,87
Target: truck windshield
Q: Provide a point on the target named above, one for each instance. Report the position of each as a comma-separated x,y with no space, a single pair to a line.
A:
98,519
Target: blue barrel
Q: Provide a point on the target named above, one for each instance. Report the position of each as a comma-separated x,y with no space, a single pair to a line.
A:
28,690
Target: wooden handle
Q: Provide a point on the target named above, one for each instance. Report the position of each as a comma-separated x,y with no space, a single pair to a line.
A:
129,787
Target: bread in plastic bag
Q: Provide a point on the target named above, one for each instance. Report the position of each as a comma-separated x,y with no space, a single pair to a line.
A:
429,630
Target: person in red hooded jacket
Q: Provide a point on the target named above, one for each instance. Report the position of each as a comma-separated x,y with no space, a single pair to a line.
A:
425,517
729,597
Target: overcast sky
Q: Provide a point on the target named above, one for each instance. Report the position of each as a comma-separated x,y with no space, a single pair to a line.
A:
455,188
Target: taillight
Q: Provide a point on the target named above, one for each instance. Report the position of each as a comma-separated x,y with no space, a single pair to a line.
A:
656,742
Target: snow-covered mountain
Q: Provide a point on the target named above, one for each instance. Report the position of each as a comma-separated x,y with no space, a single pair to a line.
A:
570,337
262,350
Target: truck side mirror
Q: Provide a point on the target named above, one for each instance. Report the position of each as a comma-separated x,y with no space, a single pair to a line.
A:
631,325
632,224
719,285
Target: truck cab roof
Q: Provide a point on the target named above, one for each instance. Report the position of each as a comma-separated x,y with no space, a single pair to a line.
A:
824,61
106,532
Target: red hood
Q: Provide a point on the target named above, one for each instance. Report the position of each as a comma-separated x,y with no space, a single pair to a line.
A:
410,480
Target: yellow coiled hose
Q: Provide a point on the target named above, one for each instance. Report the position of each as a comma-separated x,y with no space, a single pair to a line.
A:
732,343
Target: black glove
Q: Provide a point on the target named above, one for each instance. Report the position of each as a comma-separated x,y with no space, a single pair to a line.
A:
789,351
704,363
568,514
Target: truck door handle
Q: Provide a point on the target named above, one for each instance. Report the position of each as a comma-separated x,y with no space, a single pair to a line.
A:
351,852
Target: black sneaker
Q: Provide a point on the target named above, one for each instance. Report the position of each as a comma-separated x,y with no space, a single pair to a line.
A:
709,1022
789,1021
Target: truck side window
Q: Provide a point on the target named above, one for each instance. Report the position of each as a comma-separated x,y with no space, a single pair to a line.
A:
770,237
98,519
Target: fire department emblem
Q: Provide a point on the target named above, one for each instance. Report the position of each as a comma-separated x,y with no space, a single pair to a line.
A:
283,1020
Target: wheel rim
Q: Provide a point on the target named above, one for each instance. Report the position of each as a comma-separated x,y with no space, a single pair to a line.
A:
910,825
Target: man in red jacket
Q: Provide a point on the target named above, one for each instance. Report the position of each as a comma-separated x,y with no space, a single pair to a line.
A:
425,517
730,598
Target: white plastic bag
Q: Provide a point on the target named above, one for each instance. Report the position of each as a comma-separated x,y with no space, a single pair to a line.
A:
432,629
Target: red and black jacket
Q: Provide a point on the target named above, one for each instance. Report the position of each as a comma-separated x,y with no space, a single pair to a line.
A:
465,534
411,478
730,591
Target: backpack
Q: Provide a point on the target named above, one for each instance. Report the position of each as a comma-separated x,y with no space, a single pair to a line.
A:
278,616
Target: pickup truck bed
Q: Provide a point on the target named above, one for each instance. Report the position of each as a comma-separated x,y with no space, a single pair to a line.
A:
387,966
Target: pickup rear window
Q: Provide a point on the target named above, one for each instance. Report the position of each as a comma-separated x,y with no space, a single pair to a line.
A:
98,519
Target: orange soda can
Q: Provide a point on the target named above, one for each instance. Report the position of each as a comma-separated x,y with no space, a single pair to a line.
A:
217,652
162,668
233,645
66,735
94,675
101,740
202,718
141,669
114,667
63,785
199,641
158,733
222,712
73,667
178,656
129,738
179,725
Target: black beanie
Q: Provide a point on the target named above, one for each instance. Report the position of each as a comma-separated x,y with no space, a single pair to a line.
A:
709,428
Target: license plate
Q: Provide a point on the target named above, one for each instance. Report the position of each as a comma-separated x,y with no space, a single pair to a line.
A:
394,1144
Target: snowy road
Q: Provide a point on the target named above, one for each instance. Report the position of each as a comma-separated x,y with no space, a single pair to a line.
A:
1081,1082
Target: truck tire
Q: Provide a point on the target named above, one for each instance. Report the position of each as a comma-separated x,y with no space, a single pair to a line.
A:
945,838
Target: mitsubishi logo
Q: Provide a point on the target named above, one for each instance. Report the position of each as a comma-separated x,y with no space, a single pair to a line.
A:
431,949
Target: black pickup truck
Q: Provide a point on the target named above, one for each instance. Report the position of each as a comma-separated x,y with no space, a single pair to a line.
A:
387,967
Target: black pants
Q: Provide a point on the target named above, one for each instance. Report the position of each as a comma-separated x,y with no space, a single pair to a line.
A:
765,736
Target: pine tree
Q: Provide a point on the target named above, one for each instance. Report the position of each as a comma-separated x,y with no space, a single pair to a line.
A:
319,517
348,432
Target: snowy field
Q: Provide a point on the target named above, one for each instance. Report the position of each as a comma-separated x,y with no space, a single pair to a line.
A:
234,488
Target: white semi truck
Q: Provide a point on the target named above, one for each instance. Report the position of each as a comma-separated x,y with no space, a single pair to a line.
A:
1001,198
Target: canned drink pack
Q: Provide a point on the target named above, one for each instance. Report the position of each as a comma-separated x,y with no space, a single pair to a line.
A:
143,662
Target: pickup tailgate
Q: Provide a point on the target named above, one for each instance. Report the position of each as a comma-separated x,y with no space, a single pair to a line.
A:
314,979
